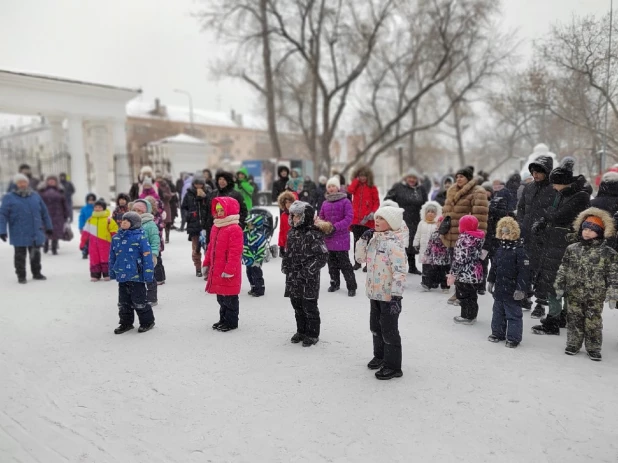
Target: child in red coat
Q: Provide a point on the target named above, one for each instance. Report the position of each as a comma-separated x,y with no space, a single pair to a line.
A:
222,262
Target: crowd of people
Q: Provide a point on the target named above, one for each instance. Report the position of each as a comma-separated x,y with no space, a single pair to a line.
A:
541,238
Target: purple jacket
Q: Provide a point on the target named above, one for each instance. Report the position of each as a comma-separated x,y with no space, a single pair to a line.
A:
337,209
59,212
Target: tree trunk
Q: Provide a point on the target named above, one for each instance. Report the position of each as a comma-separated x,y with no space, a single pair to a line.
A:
459,136
269,84
412,140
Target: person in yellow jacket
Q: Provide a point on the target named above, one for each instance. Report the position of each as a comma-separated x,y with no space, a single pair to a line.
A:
98,233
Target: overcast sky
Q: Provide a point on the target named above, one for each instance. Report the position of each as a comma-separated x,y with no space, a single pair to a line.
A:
157,46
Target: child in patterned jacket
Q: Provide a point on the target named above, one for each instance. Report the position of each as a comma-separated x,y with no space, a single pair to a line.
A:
385,255
467,268
436,262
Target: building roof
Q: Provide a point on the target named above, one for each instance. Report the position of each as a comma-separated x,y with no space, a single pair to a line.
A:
180,138
68,81
144,109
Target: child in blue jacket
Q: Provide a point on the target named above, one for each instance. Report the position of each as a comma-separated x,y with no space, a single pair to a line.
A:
84,214
131,265
508,281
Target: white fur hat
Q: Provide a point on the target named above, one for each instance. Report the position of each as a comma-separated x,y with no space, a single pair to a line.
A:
393,215
20,178
389,202
334,181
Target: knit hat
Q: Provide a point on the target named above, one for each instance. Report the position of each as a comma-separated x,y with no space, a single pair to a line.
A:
595,224
389,202
100,202
334,181
322,179
198,180
146,203
488,186
147,183
134,218
563,175
20,178
470,225
467,172
393,215
610,177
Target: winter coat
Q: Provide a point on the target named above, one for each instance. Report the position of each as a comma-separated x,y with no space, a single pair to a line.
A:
256,238
130,257
284,222
295,183
224,252
320,196
589,268
26,218
245,188
98,233
196,212
137,189
309,193
535,200
510,266
411,200
152,233
469,199
166,197
498,209
387,265
558,222
467,265
145,192
280,184
512,185
84,214
426,229
607,198
365,198
57,207
436,253
337,209
119,211
230,192
305,256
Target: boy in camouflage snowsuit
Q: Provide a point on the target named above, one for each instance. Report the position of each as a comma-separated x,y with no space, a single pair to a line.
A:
254,252
587,277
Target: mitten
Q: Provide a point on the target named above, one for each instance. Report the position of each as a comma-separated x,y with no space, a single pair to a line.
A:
154,260
539,225
490,287
450,280
367,235
519,295
395,305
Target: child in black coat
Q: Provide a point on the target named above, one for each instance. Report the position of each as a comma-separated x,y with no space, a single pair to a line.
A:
305,256
508,281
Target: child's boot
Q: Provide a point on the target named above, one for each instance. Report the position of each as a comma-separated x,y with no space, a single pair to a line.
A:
123,329
144,328
387,373
307,342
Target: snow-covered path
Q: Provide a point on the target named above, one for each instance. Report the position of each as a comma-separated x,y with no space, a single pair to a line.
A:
72,391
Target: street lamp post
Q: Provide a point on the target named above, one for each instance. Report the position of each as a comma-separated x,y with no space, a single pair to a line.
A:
184,92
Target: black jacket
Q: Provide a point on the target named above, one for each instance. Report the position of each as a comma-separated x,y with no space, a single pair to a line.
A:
607,199
411,200
498,209
321,197
510,270
196,210
280,184
305,256
535,201
557,232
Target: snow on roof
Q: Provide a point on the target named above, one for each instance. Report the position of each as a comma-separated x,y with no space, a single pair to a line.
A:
181,138
143,109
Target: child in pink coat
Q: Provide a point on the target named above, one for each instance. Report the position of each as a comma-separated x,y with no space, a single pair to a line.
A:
223,261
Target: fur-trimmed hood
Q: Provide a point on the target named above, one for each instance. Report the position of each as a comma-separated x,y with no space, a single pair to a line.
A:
511,224
365,171
610,228
286,195
429,204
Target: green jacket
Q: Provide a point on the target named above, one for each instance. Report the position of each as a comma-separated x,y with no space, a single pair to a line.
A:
589,271
245,188
152,233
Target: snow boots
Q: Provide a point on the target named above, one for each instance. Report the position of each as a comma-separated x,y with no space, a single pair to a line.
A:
571,350
538,312
387,373
464,321
549,325
351,292
375,363
123,329
144,328
308,342
297,338
596,356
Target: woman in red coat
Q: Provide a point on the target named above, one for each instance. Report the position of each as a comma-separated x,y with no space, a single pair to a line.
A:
222,262
365,201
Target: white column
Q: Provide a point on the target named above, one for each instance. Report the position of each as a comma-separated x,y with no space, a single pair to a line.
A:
122,171
99,151
79,170
57,133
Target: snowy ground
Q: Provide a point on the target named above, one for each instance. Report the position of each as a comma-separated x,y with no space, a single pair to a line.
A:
72,391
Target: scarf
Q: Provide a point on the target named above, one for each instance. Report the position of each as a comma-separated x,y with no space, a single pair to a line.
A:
24,193
233,219
332,197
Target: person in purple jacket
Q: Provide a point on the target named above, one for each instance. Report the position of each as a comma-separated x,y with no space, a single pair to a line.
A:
337,209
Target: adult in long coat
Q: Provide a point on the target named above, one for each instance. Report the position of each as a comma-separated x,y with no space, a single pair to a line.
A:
536,199
365,201
25,220
55,200
195,212
166,195
410,195
465,197
225,187
556,226
279,185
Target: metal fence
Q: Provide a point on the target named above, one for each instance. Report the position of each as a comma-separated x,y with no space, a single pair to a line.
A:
41,164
